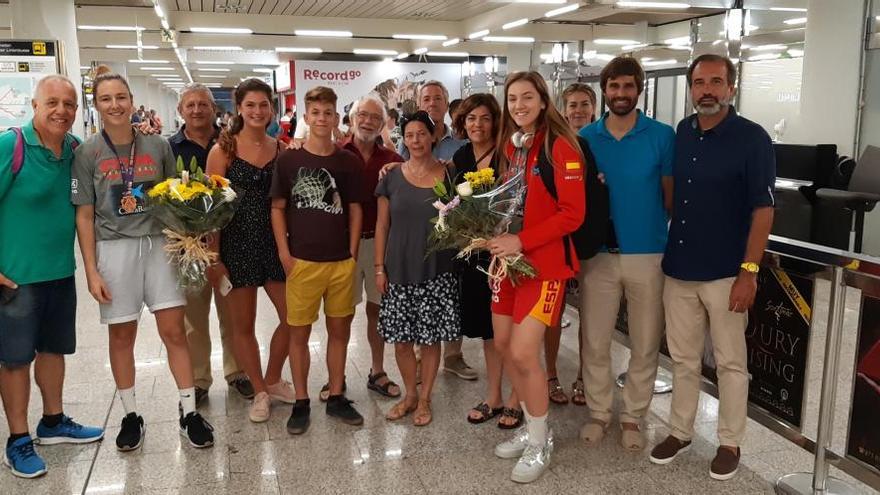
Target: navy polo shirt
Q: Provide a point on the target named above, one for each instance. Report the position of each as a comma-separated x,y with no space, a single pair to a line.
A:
633,168
183,147
721,175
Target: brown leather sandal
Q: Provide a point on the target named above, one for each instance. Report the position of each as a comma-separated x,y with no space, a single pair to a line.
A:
423,416
400,410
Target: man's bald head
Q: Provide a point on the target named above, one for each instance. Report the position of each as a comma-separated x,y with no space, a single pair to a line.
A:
54,78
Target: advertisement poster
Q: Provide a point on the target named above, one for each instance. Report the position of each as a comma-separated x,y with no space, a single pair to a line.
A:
22,64
394,83
863,442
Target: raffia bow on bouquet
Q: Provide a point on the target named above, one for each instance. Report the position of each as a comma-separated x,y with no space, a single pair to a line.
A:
192,206
467,220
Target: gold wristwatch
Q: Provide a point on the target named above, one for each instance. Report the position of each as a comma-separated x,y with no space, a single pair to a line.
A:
750,267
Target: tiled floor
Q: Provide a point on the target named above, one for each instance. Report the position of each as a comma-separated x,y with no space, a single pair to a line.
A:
449,456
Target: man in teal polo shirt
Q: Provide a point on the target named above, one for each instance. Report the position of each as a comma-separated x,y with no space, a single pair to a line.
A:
37,292
635,154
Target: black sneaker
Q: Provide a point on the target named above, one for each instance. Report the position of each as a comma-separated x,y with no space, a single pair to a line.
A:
299,417
131,433
201,394
340,407
242,384
197,430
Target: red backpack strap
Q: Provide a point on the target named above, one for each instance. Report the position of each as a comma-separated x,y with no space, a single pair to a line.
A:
17,151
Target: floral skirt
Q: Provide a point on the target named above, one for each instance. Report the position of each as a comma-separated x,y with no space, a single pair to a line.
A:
424,314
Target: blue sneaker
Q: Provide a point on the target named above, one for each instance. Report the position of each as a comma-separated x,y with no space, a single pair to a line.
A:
67,431
23,460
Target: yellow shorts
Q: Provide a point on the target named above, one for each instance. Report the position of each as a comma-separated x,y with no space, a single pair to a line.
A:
311,281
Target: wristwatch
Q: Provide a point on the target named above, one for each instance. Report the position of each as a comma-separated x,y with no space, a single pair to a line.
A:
750,267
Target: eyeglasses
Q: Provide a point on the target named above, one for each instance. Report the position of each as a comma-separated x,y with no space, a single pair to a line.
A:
369,116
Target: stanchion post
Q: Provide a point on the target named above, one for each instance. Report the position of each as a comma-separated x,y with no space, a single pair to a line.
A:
819,482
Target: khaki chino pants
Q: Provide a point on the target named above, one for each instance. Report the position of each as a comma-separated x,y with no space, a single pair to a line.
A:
198,336
691,307
606,277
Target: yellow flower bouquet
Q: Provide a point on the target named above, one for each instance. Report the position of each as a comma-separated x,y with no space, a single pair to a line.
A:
192,205
468,219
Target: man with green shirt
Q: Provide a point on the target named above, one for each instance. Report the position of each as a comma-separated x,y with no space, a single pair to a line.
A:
37,292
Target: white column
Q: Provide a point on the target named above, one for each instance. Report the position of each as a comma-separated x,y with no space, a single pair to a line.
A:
51,20
829,94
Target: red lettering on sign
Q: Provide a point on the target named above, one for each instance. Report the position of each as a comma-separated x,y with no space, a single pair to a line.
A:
313,74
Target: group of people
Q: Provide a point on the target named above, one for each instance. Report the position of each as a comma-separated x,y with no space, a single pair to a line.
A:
148,119
341,218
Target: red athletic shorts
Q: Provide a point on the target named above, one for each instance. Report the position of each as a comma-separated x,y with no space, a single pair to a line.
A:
543,300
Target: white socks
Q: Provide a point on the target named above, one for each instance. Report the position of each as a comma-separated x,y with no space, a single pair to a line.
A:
129,401
188,400
536,425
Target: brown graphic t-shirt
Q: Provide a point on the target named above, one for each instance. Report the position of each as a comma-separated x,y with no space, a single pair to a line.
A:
318,189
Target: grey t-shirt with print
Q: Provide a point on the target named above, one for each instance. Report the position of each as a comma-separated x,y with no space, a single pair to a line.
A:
96,179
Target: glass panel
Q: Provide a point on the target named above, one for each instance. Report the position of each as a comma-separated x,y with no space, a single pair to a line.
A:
770,93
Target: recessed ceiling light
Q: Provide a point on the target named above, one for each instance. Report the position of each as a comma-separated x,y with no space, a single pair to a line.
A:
214,62
788,9
434,37
453,41
373,51
212,69
132,47
447,54
144,61
538,1
654,5
264,70
610,41
157,68
509,39
316,32
516,23
208,76
562,10
796,21
478,34
110,28
218,48
219,30
420,51
294,49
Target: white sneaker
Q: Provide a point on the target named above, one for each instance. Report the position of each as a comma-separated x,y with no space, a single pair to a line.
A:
259,412
282,391
534,461
513,448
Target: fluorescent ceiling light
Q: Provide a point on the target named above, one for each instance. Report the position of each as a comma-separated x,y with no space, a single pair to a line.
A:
453,41
218,48
655,5
681,40
158,10
652,63
788,9
219,30
207,76
210,69
478,34
85,67
420,51
762,48
562,10
633,47
373,51
686,48
166,77
796,21
434,37
110,28
165,24
214,62
794,52
144,61
447,54
264,70
294,49
604,56
516,23
609,41
764,56
132,47
157,68
590,54
509,39
316,32
402,56
646,59
538,1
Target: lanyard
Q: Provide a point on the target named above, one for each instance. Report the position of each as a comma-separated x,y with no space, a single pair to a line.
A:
126,170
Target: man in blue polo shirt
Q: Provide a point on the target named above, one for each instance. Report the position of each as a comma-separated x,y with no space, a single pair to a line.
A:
724,173
634,152
37,292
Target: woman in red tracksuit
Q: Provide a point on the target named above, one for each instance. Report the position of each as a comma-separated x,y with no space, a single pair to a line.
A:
521,313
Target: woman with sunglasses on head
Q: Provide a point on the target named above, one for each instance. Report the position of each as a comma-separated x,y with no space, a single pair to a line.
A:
521,313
